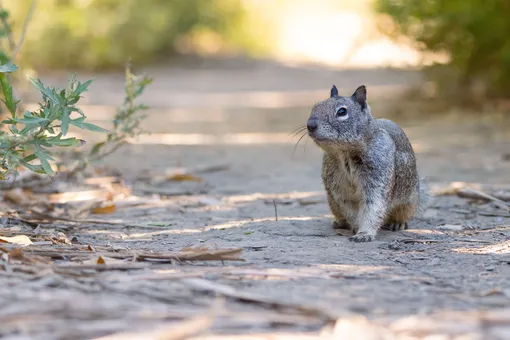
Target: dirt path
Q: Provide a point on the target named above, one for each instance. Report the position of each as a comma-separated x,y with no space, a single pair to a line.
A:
299,276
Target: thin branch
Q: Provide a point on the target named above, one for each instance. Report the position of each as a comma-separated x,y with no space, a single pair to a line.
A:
8,31
275,211
28,18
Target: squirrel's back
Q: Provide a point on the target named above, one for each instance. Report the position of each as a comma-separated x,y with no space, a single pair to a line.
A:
407,180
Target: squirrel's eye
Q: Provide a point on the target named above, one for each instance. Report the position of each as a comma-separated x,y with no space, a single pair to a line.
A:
341,112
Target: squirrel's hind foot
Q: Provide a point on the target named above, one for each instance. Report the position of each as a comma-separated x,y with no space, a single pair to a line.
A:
396,226
340,225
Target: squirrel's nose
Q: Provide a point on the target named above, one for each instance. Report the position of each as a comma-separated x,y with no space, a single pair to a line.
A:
311,125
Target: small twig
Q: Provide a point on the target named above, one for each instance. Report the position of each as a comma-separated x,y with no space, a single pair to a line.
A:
481,195
28,18
471,240
461,211
493,214
52,218
102,267
275,210
412,240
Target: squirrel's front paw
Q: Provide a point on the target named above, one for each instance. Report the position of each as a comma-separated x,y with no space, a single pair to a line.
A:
362,237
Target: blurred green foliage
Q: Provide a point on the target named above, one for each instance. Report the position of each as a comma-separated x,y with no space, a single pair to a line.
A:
95,34
474,34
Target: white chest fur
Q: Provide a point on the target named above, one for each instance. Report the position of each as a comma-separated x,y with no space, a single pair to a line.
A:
348,192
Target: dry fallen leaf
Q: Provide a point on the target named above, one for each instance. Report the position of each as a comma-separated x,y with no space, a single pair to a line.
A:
77,196
185,177
21,240
453,227
60,238
106,209
18,255
103,260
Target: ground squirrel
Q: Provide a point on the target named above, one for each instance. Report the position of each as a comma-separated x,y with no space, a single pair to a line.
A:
368,169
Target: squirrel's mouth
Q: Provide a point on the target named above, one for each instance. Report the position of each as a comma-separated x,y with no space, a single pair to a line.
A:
318,139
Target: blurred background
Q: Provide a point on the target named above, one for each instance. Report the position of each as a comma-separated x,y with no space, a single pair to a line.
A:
246,72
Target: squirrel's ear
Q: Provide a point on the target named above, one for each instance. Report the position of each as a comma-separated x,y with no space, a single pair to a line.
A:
334,91
360,96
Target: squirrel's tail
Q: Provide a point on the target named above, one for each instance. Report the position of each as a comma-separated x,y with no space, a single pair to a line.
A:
424,197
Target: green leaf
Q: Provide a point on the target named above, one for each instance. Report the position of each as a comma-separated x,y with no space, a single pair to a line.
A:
92,127
4,58
32,167
73,99
29,158
44,162
75,109
28,128
40,152
57,141
79,122
96,148
65,121
44,90
31,120
82,87
141,107
44,142
8,100
8,68
4,14
13,129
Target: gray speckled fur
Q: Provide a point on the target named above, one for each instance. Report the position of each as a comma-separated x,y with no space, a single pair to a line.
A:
369,167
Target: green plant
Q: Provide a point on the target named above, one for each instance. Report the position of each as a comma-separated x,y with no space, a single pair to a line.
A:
29,139
42,129
474,34
126,123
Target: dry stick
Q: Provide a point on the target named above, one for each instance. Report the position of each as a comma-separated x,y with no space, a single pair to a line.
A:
481,195
412,240
65,219
101,267
193,255
472,240
227,271
275,210
228,291
493,214
180,331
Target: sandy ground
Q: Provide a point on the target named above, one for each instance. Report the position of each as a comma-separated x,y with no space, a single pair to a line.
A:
448,276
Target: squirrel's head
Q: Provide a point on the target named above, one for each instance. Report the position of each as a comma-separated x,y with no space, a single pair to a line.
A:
340,121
